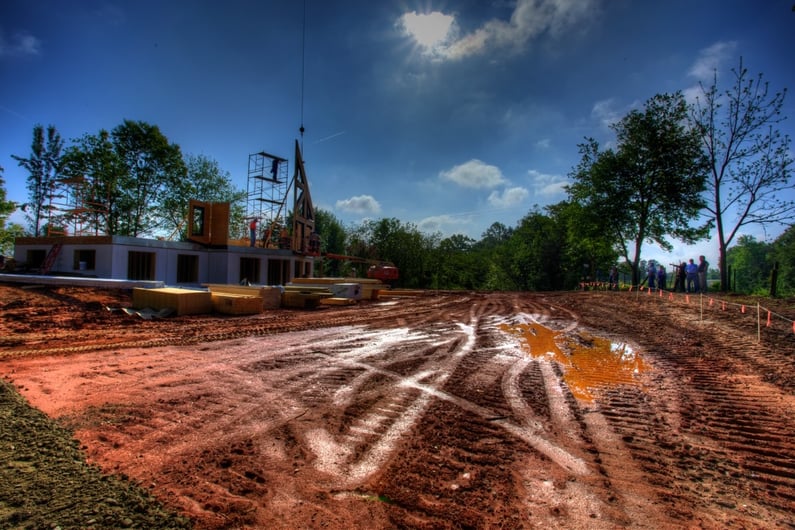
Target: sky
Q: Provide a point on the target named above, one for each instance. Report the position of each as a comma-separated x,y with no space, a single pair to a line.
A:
450,115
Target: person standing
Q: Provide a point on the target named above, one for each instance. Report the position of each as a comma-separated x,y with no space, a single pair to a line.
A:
613,279
662,278
691,270
703,265
252,227
651,274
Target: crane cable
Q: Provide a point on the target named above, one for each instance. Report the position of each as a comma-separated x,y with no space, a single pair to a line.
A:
303,69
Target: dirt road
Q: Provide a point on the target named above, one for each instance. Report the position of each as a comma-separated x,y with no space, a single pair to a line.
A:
460,410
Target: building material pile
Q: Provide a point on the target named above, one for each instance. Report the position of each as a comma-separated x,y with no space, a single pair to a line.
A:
369,288
270,297
182,301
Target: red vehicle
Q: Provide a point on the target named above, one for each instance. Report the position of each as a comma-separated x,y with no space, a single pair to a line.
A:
378,270
385,272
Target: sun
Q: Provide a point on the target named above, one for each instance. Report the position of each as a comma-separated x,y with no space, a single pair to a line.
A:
428,30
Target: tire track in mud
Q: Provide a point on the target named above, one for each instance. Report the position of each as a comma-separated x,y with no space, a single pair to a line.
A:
432,409
713,439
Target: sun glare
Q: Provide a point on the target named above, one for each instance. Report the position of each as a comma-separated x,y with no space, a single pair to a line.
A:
428,30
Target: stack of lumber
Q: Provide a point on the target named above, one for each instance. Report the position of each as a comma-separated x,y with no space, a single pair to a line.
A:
337,301
403,292
304,296
236,304
370,288
270,297
181,301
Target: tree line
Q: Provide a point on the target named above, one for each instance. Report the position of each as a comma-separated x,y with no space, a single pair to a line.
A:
675,171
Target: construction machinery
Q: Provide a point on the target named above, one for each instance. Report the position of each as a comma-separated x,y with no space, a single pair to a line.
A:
381,270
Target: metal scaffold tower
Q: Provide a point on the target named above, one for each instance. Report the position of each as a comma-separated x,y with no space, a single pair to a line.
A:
266,191
74,208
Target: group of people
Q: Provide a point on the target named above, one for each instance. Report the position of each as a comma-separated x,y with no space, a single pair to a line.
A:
692,277
689,277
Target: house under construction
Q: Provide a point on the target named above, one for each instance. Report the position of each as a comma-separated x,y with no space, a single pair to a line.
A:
276,256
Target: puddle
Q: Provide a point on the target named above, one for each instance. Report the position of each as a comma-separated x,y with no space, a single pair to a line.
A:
589,363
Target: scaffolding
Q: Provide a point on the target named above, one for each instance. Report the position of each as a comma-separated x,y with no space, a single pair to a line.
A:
266,192
74,209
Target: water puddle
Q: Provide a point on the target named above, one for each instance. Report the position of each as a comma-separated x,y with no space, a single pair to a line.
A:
589,363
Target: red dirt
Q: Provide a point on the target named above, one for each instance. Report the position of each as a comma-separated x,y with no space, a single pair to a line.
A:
458,410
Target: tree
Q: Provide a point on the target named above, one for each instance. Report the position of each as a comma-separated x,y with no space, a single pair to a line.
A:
586,252
535,252
93,161
456,265
11,231
783,253
204,181
44,167
649,188
131,177
749,158
749,259
332,239
153,171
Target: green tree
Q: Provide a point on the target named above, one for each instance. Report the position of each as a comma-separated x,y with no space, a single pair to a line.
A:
535,252
332,240
749,259
587,254
749,158
783,253
650,187
154,172
92,161
493,255
456,264
12,230
44,169
402,244
204,181
130,177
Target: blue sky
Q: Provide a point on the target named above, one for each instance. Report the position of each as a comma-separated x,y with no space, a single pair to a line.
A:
450,115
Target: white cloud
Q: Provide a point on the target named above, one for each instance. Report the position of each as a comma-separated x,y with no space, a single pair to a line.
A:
605,112
442,223
20,44
709,62
361,205
508,197
547,185
474,174
711,59
529,19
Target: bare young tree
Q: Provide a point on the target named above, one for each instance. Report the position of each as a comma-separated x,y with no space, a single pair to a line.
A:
750,160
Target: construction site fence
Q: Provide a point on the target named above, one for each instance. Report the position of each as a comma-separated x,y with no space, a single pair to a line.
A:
765,318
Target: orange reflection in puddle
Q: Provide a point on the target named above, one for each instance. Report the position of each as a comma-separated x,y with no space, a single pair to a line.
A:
589,363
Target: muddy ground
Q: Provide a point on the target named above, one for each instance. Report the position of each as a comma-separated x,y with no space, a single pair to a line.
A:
453,410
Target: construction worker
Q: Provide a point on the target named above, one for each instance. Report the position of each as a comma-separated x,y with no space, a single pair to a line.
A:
252,226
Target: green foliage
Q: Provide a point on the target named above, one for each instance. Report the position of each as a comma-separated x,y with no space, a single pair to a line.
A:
783,254
332,240
204,181
92,160
44,168
10,231
749,261
153,172
649,188
135,180
752,263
